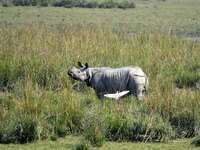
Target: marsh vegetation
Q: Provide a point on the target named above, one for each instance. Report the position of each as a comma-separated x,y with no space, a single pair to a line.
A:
38,101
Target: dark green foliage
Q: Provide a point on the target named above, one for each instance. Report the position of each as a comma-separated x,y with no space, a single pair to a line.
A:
92,4
6,131
93,129
141,129
108,4
63,3
196,141
60,126
84,145
86,4
26,130
21,131
184,125
54,137
70,3
126,4
10,75
7,3
75,3
187,82
112,4
24,2
189,78
43,3
5,76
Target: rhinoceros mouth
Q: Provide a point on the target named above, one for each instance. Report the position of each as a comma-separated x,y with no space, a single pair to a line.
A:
71,75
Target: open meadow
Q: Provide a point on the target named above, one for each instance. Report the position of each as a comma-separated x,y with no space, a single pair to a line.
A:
42,108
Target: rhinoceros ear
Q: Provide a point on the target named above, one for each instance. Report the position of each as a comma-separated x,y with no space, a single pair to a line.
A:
80,64
86,65
89,74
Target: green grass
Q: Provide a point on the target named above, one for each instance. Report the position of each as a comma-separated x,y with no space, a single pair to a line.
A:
38,101
169,16
70,142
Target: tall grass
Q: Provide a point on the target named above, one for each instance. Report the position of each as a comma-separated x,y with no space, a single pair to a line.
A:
39,101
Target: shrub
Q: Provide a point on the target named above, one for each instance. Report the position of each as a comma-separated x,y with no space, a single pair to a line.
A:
24,2
108,4
70,3
6,3
126,4
86,4
43,3
63,3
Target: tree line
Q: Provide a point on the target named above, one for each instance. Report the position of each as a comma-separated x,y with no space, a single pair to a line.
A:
70,3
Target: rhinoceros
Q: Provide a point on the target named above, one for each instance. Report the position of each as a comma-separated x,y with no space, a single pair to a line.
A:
106,80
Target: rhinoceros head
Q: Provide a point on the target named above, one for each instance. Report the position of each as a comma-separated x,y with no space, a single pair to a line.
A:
79,74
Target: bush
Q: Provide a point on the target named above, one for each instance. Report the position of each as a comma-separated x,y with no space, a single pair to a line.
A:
63,3
6,3
108,4
126,4
70,3
24,2
43,3
87,4
75,3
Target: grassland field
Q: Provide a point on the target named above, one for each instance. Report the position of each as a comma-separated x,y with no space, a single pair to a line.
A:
41,108
180,16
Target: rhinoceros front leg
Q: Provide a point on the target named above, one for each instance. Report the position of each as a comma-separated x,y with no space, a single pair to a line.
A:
100,95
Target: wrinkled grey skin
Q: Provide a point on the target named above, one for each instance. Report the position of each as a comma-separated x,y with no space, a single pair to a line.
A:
110,80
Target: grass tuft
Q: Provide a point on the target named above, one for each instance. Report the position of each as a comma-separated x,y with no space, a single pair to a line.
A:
196,141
